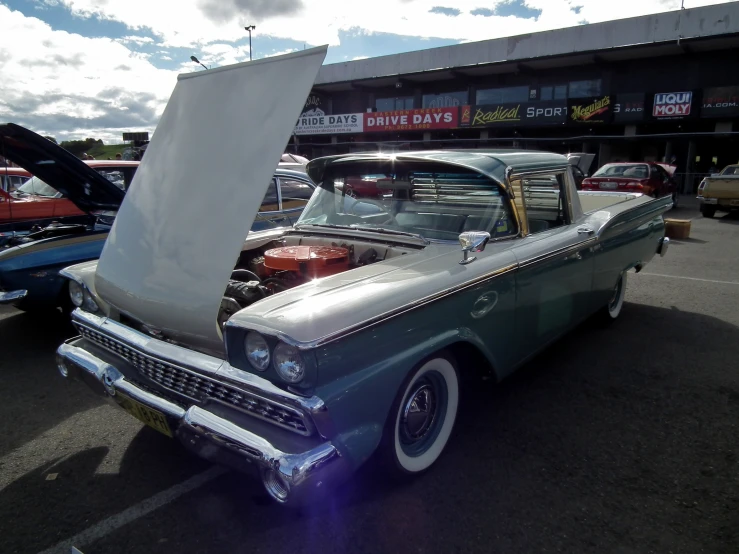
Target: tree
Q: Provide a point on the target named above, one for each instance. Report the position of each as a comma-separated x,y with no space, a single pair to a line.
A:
77,147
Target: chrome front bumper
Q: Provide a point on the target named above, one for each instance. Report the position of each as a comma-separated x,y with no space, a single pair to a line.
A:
13,296
289,477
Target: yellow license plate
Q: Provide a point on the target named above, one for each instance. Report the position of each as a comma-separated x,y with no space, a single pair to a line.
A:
151,417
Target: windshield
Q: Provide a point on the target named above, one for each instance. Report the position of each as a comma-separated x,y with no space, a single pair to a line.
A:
731,170
633,171
37,187
434,205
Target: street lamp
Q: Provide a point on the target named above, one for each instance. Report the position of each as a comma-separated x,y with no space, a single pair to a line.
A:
250,28
193,58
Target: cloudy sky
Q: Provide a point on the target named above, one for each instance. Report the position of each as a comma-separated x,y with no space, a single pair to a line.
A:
95,68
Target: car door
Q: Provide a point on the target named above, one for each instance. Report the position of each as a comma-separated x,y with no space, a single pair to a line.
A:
270,216
294,195
554,277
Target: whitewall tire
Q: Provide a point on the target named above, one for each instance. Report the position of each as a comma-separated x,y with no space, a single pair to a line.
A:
423,417
616,303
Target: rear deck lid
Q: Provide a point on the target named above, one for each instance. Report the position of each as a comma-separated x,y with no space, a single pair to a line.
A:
181,227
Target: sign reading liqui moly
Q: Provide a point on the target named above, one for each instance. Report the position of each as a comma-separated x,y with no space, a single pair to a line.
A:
672,104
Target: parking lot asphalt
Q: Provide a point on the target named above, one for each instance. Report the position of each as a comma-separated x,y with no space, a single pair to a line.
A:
619,440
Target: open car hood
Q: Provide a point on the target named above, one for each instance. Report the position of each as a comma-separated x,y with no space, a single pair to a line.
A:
181,227
51,163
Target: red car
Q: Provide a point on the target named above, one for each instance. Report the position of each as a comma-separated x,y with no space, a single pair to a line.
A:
648,178
12,177
34,200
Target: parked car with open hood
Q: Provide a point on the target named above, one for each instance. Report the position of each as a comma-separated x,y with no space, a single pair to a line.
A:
30,262
719,192
353,334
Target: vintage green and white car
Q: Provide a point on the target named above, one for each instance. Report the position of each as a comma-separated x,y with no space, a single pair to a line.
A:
303,351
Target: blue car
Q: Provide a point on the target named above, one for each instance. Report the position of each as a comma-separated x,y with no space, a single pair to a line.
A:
30,264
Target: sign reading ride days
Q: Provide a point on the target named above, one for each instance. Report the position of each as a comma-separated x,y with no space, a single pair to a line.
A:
330,124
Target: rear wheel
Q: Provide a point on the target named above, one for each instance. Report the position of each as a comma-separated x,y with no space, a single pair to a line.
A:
708,211
612,310
422,417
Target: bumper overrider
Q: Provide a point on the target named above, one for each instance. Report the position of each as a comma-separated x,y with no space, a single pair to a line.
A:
219,412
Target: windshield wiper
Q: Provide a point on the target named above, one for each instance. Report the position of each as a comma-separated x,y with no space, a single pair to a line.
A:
386,231
329,225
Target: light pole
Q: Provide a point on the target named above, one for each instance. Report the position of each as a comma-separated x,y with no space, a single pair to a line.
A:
250,28
193,58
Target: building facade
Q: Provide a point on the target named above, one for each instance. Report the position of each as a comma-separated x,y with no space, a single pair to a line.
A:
662,88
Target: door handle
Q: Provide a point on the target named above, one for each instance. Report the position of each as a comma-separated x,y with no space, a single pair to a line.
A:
585,231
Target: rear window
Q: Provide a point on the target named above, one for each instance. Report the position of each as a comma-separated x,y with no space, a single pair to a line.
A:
633,171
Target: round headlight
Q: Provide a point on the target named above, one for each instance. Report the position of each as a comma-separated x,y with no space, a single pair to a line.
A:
257,351
88,302
76,294
289,363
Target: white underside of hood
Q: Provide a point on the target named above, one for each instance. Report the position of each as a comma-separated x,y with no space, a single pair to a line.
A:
183,221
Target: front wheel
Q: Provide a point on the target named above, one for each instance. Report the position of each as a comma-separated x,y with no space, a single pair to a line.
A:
422,417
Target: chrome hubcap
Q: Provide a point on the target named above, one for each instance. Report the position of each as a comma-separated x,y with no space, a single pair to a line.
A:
419,412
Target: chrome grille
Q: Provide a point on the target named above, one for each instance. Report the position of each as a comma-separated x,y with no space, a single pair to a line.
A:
199,387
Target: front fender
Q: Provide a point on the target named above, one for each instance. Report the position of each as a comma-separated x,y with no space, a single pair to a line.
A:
359,401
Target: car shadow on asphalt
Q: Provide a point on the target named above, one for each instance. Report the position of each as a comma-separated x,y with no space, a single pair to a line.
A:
606,431
63,497
732,218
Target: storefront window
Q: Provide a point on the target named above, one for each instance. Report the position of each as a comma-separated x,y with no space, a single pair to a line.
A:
553,92
585,89
445,99
502,95
391,104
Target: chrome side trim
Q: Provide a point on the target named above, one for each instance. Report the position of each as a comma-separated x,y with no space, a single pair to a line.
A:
384,316
557,253
12,296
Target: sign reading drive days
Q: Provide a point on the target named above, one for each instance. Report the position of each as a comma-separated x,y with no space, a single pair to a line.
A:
672,104
330,124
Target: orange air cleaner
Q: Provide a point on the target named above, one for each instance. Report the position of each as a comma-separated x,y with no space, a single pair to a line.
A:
312,262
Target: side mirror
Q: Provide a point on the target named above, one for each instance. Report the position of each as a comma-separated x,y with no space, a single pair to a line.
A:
472,241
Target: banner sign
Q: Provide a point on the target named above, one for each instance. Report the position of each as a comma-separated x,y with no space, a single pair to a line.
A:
412,120
330,124
519,113
315,105
590,110
672,105
720,102
628,107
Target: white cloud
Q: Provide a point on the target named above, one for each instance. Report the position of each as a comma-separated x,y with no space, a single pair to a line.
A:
71,86
355,58
185,23
136,39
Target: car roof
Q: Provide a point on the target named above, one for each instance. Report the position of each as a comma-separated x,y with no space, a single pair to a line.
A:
280,172
14,171
491,162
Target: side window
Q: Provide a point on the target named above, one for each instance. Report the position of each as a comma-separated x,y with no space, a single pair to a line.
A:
295,193
269,204
541,201
115,176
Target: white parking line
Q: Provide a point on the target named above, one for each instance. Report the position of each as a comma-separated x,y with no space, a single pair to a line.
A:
108,525
691,278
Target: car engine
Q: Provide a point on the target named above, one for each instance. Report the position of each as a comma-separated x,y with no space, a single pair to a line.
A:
279,269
